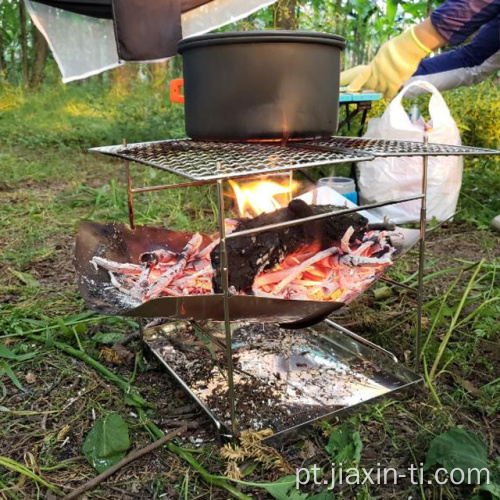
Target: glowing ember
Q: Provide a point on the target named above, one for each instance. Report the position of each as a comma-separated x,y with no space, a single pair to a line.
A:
339,273
327,275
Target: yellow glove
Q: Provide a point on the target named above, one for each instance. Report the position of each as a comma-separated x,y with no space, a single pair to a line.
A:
349,75
394,63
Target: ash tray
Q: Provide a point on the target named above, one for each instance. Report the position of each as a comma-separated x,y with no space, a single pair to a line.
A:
285,380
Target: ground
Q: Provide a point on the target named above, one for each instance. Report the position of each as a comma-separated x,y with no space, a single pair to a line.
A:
49,402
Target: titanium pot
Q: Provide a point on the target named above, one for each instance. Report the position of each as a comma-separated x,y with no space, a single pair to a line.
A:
260,85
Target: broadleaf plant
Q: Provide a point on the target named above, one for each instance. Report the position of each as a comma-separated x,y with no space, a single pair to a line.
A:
284,489
458,449
107,442
344,446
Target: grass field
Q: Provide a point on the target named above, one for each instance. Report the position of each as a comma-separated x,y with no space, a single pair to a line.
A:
55,353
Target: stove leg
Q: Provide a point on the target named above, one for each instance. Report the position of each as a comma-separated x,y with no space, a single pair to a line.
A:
130,196
421,258
227,320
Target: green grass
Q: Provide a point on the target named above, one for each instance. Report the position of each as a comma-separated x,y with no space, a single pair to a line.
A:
48,184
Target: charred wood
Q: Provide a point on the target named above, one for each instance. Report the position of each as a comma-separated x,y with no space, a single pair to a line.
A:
249,255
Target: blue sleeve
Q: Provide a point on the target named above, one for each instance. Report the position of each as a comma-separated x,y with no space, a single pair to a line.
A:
484,45
457,20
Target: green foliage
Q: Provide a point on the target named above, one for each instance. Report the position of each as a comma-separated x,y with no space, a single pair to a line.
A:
108,338
88,115
6,369
14,466
344,446
107,442
8,354
458,449
284,489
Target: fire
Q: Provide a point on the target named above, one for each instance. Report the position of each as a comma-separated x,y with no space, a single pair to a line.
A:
256,197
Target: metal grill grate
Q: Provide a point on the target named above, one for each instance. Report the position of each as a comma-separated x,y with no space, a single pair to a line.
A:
384,148
197,160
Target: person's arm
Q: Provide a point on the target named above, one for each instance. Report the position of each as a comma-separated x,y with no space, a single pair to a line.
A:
457,20
466,65
400,57
429,35
394,63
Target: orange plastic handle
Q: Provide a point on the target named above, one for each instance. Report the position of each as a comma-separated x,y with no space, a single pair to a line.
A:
175,90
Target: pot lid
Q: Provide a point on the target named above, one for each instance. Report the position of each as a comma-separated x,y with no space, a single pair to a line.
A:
261,36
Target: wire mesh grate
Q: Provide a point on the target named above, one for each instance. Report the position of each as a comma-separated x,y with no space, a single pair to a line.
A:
384,148
198,160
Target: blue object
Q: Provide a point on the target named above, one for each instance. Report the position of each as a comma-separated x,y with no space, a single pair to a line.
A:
360,97
353,196
345,97
343,185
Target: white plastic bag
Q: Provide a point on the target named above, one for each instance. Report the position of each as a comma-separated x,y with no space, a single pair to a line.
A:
389,178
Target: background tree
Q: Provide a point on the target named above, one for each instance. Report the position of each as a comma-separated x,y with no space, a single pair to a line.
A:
366,24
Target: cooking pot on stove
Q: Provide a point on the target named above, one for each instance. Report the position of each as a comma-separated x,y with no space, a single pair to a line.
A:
260,85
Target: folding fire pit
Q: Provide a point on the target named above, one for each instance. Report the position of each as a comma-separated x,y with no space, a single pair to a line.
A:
267,373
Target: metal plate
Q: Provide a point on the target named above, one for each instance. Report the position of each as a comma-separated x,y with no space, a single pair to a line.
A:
198,161
385,148
284,379
118,242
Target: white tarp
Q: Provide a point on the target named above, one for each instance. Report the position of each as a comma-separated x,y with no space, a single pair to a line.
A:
84,46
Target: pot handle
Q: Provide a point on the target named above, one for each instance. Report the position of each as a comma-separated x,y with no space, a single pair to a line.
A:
175,90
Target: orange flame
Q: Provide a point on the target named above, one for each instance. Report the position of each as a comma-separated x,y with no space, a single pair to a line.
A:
256,197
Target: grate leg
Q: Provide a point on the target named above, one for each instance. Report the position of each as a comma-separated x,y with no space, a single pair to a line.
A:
227,320
421,257
130,191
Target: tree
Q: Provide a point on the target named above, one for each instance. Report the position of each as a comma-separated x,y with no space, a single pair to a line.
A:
3,63
40,52
285,14
24,43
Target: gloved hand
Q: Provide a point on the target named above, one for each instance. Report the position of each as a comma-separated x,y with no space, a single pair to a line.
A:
394,63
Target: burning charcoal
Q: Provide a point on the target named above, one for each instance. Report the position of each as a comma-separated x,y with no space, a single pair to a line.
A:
122,288
249,255
344,242
156,256
115,267
295,271
356,260
166,278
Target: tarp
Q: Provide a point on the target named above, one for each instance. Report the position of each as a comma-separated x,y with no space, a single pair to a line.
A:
88,37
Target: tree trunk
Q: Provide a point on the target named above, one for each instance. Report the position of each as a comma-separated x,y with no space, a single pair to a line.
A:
338,16
159,75
285,14
124,77
24,43
3,63
40,51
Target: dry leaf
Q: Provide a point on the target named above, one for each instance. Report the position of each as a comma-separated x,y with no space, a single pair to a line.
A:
29,460
30,378
61,435
232,453
111,356
232,470
308,450
251,447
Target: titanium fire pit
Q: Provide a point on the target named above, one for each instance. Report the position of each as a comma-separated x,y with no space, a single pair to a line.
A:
306,375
